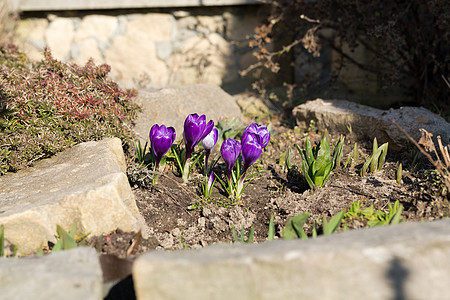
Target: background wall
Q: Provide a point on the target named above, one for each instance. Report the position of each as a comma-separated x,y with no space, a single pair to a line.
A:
149,47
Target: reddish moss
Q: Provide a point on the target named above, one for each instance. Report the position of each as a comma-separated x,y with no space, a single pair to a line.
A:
48,106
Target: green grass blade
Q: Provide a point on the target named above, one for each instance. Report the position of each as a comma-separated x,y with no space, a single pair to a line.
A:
250,236
271,233
383,155
235,236
365,166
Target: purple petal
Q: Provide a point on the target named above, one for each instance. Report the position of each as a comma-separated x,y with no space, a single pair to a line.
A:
210,140
194,126
207,129
251,151
161,139
261,131
230,151
210,182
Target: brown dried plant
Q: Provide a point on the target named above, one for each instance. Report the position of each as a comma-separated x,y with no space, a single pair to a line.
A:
427,146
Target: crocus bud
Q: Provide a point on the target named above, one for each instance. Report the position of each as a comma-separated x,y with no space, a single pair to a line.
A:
210,182
195,129
210,139
259,130
161,139
230,151
251,149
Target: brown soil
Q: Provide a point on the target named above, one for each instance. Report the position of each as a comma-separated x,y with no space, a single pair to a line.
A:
284,194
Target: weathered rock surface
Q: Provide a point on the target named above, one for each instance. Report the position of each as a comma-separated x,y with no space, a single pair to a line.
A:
337,115
85,185
406,261
171,107
72,274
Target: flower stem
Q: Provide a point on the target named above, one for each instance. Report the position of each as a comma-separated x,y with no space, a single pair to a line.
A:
155,179
230,185
240,186
186,170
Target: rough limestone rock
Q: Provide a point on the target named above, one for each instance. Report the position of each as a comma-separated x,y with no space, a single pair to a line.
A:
170,107
72,274
406,261
337,115
85,185
59,36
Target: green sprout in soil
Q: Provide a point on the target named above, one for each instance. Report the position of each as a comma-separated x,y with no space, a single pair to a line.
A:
376,160
370,217
317,162
241,238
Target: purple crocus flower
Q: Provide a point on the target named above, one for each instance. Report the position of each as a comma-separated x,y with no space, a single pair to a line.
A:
161,139
259,130
251,150
210,140
195,129
208,144
230,151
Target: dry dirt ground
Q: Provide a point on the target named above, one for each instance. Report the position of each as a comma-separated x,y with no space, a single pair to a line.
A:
165,206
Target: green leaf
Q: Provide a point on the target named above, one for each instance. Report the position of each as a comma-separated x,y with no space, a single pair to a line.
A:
309,153
337,155
398,174
330,227
271,233
291,232
66,240
306,174
250,235
235,236
383,155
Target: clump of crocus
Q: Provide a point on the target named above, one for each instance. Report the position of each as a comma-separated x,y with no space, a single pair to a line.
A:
254,139
208,143
195,130
161,139
230,151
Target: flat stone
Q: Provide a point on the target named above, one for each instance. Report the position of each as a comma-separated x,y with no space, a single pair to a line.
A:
59,35
85,185
87,49
170,107
129,63
205,59
72,274
157,27
97,26
337,115
406,261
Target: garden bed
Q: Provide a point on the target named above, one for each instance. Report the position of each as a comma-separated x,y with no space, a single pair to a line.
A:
179,218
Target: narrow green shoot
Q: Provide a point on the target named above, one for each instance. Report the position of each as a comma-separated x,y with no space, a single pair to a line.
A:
271,233
398,174
333,224
376,160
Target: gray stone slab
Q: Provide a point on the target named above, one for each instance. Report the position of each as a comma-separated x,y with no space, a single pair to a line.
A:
406,261
171,106
337,116
73,274
44,5
85,185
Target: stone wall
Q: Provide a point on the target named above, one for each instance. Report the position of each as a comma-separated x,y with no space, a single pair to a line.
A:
150,48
